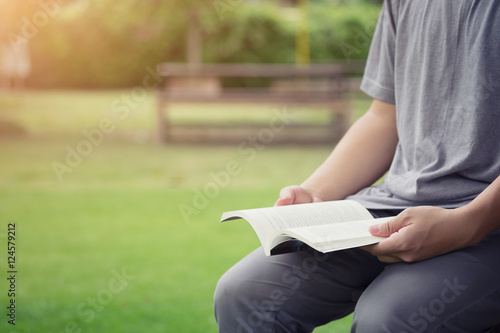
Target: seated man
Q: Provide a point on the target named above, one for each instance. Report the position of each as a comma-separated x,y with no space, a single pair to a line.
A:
434,125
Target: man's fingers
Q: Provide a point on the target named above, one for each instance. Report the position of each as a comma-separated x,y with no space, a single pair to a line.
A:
295,194
388,228
284,201
387,258
287,196
384,229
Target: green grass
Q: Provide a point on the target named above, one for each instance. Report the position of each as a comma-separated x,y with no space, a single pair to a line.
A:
119,211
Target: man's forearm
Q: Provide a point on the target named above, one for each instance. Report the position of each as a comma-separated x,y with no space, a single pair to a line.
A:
483,213
362,156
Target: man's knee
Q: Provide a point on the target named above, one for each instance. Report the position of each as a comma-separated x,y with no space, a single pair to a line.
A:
237,306
227,293
381,316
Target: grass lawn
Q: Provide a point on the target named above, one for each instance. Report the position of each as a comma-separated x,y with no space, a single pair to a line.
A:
105,247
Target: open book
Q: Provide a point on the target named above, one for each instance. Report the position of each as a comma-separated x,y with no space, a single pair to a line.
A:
325,226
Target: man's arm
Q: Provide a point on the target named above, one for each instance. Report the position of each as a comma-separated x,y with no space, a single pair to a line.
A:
362,156
424,232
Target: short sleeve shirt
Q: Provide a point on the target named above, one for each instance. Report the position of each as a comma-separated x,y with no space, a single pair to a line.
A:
438,61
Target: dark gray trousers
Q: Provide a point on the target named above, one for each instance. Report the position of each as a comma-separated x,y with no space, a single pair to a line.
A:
455,292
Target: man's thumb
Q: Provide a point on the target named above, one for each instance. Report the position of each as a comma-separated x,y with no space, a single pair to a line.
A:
385,229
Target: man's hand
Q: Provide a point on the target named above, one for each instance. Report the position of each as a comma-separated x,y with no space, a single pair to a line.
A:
295,194
422,232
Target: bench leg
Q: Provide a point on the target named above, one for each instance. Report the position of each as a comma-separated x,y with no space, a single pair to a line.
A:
162,126
341,119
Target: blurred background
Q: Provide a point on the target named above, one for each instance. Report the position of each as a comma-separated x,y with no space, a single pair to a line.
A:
117,229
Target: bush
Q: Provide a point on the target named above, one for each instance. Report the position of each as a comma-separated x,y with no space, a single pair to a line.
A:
108,46
251,34
101,47
342,32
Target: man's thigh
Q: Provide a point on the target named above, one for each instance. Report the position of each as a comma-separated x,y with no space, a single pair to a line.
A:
455,292
292,292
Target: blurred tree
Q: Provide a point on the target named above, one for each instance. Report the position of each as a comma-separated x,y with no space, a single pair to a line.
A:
97,44
191,11
302,44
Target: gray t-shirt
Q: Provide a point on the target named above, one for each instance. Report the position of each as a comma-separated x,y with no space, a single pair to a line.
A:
438,61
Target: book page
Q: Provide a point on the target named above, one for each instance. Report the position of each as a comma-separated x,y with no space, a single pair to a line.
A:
265,221
336,236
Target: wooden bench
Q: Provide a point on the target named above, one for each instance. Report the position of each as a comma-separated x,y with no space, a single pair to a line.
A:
286,86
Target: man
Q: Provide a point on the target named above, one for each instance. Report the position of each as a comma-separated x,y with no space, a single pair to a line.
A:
434,74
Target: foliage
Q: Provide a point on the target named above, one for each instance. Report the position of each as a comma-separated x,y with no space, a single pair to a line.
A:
105,45
250,34
342,32
102,45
